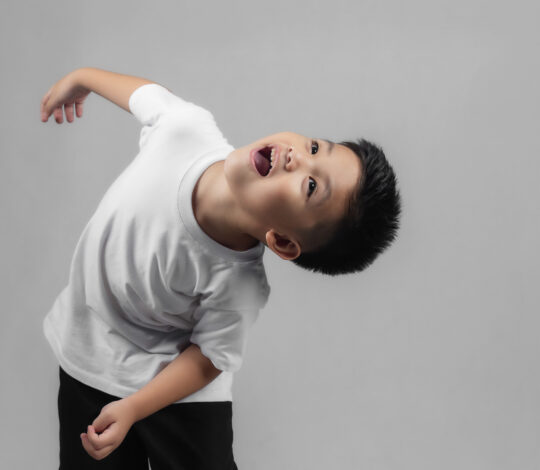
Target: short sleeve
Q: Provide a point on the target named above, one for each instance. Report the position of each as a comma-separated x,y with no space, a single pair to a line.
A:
152,105
222,336
151,100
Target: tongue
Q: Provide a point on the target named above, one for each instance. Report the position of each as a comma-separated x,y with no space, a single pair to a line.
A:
262,164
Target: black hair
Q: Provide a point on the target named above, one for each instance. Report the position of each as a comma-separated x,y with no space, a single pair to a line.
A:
370,223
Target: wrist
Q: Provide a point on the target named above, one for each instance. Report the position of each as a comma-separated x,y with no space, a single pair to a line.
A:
130,409
79,77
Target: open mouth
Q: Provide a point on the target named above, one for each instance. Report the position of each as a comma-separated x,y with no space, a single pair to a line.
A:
264,160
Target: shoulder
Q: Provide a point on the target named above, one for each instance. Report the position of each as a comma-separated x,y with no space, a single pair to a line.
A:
152,102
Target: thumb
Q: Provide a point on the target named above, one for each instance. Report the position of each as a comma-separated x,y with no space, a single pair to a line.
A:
45,113
102,422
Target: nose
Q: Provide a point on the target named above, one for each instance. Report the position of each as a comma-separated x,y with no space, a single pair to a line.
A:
293,159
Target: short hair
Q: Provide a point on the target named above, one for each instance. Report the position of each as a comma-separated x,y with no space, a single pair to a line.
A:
370,223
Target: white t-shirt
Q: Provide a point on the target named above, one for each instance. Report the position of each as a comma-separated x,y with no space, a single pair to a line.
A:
145,280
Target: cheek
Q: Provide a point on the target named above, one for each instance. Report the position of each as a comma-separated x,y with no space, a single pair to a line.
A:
272,198
276,201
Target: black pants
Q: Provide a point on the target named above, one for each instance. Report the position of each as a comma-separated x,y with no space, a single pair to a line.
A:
181,436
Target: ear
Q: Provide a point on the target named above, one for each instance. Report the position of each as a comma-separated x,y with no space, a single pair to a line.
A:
282,245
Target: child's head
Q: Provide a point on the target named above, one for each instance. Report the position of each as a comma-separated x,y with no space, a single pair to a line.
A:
327,207
370,223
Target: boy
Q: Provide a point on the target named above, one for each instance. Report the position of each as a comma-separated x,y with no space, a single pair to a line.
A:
167,276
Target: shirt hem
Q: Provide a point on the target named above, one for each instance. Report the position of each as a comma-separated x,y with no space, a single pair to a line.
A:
105,386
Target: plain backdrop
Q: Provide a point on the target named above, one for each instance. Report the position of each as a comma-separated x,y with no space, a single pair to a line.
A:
427,360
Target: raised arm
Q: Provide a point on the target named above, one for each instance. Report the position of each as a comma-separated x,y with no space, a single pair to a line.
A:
189,372
73,89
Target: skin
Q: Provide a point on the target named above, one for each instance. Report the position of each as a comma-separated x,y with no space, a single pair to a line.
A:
189,371
237,207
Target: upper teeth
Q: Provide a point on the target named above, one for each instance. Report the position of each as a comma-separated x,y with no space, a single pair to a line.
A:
272,154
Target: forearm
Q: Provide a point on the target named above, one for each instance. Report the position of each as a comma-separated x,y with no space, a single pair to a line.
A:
115,87
189,372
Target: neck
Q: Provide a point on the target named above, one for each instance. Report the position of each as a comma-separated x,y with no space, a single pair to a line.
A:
217,214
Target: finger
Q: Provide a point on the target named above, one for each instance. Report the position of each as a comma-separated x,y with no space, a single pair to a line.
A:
46,96
58,115
96,454
78,109
87,445
102,422
68,108
100,455
106,438
94,438
99,441
44,113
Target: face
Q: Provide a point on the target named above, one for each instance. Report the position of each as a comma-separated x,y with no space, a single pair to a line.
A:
308,182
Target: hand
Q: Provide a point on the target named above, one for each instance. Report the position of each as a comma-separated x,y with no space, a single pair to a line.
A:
65,92
109,429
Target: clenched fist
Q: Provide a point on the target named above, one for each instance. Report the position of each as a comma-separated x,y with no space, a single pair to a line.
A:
109,429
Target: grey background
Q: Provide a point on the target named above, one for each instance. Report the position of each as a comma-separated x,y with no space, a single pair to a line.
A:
429,359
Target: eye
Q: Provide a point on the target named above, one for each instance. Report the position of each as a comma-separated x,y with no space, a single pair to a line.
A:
314,147
312,185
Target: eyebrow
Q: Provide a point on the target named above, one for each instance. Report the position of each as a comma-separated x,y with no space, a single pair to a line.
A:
327,191
330,145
